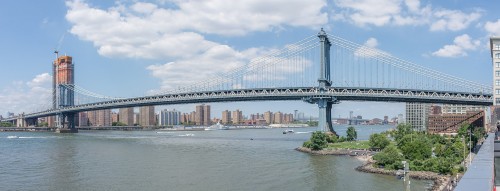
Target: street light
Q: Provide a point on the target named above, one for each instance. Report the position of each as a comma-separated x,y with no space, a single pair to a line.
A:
406,171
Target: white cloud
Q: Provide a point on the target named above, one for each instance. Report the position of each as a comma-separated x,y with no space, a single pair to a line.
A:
369,49
493,28
148,31
453,20
371,42
33,95
187,71
144,30
401,13
459,48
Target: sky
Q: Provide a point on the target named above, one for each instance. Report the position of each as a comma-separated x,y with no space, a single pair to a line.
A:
128,48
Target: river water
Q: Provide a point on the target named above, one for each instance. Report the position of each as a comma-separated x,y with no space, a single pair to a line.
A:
197,160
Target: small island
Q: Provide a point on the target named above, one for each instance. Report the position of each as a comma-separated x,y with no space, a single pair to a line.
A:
430,156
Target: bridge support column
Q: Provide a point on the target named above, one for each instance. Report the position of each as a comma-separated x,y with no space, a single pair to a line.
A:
66,123
325,102
325,114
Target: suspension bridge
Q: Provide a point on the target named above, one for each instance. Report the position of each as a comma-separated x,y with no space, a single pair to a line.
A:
322,69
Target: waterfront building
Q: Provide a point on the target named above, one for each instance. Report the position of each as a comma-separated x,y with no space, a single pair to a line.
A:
202,115
99,117
169,118
206,115
114,117
268,116
459,109
435,109
237,117
451,122
83,120
417,115
136,119
278,117
126,116
147,116
288,118
226,117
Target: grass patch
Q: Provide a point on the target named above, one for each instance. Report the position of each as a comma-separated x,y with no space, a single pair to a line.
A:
350,145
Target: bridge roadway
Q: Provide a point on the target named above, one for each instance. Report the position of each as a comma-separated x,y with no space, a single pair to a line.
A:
285,93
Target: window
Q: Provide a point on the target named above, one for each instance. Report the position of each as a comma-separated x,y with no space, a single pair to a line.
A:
497,55
497,82
497,91
497,73
497,64
497,101
497,46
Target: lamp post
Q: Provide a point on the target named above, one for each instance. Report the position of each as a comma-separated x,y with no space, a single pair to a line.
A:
406,171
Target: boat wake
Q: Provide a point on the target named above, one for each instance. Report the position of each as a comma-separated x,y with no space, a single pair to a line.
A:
303,132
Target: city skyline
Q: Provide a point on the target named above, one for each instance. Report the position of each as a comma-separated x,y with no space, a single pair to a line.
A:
452,33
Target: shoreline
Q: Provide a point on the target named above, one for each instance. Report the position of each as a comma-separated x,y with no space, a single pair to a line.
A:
439,181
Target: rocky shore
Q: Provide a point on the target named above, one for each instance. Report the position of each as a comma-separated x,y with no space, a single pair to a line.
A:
441,182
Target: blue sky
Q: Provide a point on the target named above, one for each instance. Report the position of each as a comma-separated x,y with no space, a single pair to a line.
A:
129,48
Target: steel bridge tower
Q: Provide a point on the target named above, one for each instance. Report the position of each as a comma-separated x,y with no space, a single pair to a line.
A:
324,102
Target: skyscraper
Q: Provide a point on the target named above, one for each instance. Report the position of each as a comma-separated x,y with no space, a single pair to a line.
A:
147,116
126,116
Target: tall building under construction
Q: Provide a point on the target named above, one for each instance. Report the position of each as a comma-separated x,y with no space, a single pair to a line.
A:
62,73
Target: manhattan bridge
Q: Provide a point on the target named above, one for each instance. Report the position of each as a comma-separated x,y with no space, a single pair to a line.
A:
322,69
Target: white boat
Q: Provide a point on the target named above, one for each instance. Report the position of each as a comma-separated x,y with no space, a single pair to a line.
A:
288,131
217,126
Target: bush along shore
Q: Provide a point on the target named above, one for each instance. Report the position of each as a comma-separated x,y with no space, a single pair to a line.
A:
431,157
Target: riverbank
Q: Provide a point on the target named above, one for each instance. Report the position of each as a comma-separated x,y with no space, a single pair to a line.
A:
440,181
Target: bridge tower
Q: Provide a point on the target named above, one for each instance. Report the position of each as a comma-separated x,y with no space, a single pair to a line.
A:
326,102
63,95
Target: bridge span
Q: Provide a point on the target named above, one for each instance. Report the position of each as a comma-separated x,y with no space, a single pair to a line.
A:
336,94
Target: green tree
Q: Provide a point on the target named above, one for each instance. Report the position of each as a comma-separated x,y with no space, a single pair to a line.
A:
378,141
318,141
6,124
402,130
415,146
43,124
118,124
351,134
390,157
